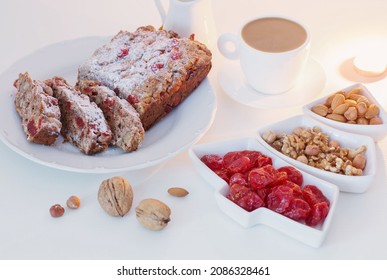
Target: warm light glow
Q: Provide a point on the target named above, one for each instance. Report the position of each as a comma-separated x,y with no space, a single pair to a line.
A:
371,61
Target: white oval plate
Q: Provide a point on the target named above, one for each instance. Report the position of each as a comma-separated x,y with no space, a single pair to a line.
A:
173,134
352,184
377,132
313,236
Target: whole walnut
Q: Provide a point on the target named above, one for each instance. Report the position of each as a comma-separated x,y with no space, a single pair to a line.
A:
115,196
153,214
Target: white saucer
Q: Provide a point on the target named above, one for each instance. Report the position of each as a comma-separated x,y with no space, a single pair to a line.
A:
233,83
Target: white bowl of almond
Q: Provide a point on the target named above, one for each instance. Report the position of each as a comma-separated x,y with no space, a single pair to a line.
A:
353,109
342,158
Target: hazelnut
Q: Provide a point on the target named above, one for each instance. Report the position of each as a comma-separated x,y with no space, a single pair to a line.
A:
153,214
269,136
359,162
57,210
312,150
303,159
73,202
115,196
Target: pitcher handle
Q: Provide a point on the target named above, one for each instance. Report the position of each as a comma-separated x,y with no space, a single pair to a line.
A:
161,10
223,41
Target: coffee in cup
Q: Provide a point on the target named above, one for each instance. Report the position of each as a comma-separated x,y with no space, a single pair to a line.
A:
272,52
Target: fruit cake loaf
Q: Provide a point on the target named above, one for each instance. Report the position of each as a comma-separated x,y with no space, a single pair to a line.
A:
152,69
84,124
122,118
38,109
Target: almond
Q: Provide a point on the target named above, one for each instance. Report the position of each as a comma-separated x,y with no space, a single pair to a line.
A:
354,96
179,192
341,109
363,99
336,117
328,101
361,108
337,100
362,121
376,120
351,114
320,109
350,102
372,111
353,91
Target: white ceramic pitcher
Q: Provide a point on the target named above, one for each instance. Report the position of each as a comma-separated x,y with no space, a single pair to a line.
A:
187,17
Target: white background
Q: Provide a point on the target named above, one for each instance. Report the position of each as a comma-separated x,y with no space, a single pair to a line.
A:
198,230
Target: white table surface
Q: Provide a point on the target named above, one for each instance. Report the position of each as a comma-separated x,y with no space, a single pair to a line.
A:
198,230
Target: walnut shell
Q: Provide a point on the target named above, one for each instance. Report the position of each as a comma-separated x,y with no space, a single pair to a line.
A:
153,214
115,196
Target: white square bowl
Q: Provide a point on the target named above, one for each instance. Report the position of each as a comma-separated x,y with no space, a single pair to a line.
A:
312,236
377,131
346,183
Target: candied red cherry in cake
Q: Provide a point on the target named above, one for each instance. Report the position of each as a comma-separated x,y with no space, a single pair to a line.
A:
293,174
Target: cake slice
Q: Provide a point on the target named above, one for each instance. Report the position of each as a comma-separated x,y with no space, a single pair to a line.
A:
154,70
38,110
84,124
122,118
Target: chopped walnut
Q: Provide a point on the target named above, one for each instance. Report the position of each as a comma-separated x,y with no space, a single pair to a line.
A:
311,146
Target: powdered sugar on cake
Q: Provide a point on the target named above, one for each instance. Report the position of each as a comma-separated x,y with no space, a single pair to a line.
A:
147,68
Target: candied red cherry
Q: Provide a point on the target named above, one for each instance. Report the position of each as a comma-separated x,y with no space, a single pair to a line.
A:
250,201
253,156
261,177
235,162
263,160
293,174
222,173
313,195
297,191
263,193
31,127
279,199
279,178
318,214
238,178
299,210
237,191
214,162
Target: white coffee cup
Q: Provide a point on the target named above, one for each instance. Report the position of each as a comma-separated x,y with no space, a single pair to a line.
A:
272,51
